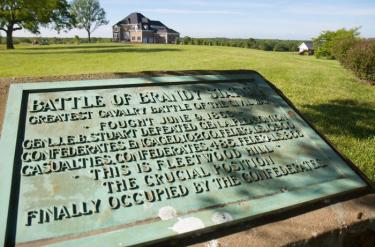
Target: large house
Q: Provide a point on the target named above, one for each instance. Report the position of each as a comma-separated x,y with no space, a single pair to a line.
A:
139,29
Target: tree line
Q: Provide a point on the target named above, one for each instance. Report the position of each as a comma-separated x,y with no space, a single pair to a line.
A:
260,44
56,40
57,14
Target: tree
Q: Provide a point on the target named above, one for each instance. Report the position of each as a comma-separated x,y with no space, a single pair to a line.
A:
31,14
77,40
324,44
281,46
88,15
251,43
341,48
265,45
187,40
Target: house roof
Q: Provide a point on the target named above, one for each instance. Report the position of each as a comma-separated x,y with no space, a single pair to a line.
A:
309,44
134,18
146,24
157,23
171,30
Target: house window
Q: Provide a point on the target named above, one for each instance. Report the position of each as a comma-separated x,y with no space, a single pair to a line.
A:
139,38
133,38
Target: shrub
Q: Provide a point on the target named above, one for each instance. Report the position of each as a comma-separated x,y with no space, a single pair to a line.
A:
16,41
44,42
341,48
178,41
56,40
361,59
25,40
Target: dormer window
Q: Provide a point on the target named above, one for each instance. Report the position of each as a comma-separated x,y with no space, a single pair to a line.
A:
145,27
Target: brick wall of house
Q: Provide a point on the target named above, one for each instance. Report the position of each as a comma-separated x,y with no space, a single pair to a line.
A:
148,37
160,39
143,36
136,36
172,38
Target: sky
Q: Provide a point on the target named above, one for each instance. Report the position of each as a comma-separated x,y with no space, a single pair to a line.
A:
277,19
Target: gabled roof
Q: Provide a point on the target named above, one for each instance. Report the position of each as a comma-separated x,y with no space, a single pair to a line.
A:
309,44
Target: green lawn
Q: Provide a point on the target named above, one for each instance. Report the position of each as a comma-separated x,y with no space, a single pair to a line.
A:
341,106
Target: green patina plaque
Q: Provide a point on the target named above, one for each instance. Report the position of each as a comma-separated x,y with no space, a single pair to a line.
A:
138,160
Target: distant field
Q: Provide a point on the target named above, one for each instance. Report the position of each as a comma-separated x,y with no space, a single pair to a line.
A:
331,97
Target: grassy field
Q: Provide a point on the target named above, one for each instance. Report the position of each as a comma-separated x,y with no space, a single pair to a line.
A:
341,106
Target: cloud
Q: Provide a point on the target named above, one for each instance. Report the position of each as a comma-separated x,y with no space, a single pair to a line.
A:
242,3
330,10
236,3
192,11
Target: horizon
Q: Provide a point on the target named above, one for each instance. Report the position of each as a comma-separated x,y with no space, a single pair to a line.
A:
281,19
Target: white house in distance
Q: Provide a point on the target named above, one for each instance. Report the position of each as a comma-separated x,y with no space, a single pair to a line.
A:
306,46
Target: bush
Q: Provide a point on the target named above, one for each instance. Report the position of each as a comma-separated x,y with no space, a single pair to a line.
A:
44,42
25,40
56,40
341,48
361,60
178,41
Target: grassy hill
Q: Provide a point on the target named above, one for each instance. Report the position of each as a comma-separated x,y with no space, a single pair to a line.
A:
342,107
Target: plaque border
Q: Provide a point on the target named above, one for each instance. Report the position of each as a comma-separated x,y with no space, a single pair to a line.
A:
168,78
